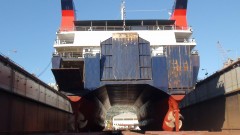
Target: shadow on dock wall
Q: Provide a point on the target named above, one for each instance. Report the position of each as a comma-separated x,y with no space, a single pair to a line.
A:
210,108
20,115
208,115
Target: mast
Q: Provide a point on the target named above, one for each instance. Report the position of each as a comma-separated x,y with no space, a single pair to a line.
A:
123,13
123,10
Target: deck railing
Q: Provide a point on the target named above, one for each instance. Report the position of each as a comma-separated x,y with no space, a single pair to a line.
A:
58,41
69,54
128,28
185,40
178,40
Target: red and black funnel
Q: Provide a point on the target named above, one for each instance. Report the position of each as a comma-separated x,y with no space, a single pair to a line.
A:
68,15
179,13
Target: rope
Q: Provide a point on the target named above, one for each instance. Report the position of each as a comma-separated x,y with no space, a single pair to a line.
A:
45,69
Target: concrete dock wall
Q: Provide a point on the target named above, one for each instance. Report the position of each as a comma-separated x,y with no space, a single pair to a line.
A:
28,105
215,103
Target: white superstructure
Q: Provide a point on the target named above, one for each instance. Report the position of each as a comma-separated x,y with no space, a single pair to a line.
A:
86,39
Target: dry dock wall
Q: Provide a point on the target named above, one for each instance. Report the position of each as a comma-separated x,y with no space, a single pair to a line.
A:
215,103
20,116
27,105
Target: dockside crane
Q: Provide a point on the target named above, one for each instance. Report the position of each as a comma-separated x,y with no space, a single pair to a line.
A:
225,59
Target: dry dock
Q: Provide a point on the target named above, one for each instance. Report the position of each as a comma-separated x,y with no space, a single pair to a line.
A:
29,106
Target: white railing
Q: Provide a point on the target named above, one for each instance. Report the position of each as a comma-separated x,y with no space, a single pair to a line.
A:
185,40
126,28
69,54
58,41
129,28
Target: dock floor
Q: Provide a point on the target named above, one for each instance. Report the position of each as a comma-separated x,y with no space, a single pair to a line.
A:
233,132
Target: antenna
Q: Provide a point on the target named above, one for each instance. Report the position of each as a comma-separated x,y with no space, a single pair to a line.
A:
123,13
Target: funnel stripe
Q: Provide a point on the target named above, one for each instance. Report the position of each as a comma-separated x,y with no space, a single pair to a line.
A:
181,4
67,4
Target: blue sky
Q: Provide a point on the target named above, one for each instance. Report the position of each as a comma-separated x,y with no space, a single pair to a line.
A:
28,27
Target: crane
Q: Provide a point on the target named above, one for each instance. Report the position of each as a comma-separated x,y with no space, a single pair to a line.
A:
225,59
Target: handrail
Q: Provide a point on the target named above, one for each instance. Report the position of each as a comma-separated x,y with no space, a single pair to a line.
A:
185,40
178,40
58,41
69,54
10,60
128,28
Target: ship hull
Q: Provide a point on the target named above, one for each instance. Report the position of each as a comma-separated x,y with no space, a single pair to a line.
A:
125,73
152,106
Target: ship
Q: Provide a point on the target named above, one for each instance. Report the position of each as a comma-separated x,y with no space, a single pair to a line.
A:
142,66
